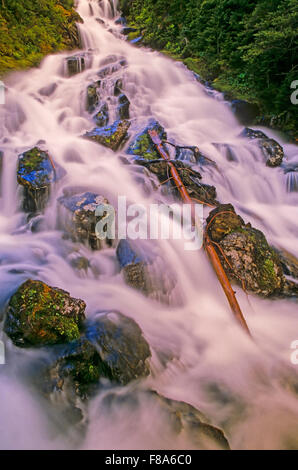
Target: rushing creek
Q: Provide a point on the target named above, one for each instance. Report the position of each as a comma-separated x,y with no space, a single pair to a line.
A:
243,386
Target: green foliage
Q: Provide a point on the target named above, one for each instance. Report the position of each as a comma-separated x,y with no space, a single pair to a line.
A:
30,29
248,47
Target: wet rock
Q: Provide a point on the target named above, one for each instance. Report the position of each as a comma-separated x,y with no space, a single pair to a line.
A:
291,172
127,30
121,20
79,218
48,90
190,178
113,137
251,261
142,144
133,39
134,268
112,68
113,347
228,151
292,181
36,173
190,154
253,134
245,112
118,87
145,272
123,107
178,420
102,117
272,151
188,419
76,64
39,315
93,96
289,265
80,263
71,35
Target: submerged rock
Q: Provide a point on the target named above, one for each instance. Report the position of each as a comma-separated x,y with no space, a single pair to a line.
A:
123,107
118,87
289,264
76,64
113,347
113,137
142,144
245,112
114,64
146,154
80,218
102,117
188,419
177,419
92,99
145,272
272,151
190,178
36,173
39,315
251,261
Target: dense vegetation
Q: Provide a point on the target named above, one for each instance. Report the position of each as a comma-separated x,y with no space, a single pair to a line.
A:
30,29
248,48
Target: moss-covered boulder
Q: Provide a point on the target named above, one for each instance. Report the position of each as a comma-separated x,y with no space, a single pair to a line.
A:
37,172
113,347
251,261
113,137
92,96
39,315
142,144
272,150
78,218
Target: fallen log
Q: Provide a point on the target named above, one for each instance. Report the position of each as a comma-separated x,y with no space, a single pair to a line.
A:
213,256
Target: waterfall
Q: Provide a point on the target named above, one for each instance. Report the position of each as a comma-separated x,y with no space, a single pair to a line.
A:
209,362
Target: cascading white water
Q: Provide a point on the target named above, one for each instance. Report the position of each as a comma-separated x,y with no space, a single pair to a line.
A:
216,368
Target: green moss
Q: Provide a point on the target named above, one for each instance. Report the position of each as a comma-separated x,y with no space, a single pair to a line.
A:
31,29
144,147
133,35
33,158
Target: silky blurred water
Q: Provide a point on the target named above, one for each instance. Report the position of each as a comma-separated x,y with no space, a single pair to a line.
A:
242,386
